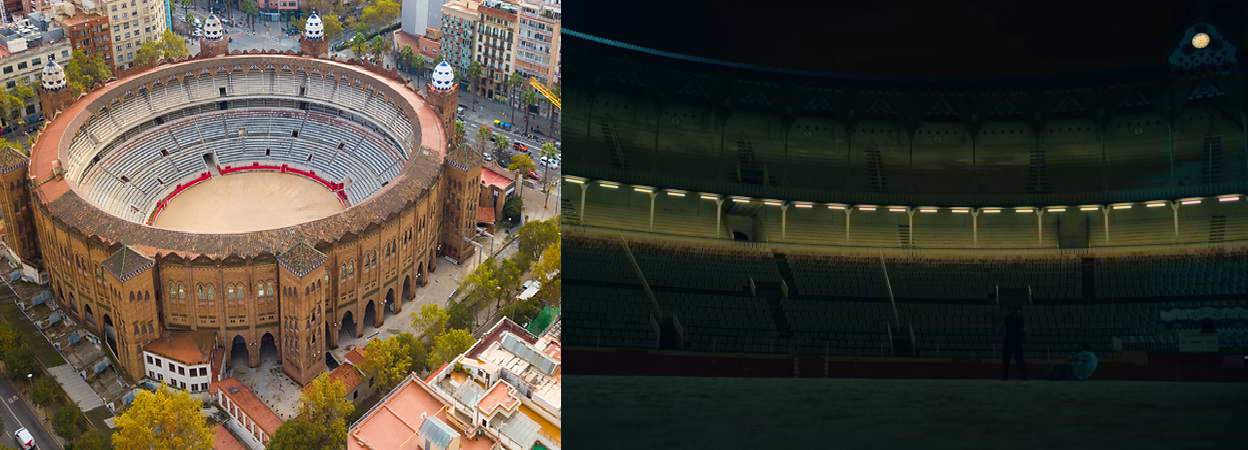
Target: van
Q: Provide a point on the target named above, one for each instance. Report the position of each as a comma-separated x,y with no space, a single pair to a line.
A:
24,439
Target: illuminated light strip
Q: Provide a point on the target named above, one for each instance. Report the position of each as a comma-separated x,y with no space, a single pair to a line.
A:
928,209
608,185
1090,208
1024,209
991,210
1228,198
574,180
1122,206
1056,209
709,196
1155,204
773,203
836,206
866,207
675,193
741,199
1190,201
803,205
960,210
897,209
643,189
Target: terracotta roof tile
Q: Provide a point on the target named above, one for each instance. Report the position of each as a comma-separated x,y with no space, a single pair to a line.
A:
247,401
301,259
125,263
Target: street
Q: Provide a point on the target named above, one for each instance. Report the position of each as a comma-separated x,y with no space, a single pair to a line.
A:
17,414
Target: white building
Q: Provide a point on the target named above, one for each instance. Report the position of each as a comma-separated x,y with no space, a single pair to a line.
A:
181,360
24,50
133,22
420,15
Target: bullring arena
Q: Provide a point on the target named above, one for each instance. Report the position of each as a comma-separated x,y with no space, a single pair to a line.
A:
274,201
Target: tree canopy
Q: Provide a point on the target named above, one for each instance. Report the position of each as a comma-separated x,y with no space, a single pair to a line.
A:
380,13
449,345
167,419
386,362
82,73
432,319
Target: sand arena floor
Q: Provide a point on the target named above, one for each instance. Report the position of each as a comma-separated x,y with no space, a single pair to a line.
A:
247,202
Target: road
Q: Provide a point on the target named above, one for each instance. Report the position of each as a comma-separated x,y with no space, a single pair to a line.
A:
17,414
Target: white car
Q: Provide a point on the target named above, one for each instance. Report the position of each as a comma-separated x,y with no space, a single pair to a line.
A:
24,439
543,161
554,164
487,156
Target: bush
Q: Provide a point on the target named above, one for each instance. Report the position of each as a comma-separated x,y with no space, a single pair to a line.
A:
92,440
67,422
512,209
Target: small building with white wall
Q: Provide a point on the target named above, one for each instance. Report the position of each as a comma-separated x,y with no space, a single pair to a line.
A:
181,359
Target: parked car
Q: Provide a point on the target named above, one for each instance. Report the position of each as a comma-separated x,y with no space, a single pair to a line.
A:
533,175
554,164
487,156
24,439
520,147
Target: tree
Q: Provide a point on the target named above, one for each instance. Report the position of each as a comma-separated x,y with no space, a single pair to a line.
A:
404,58
19,362
521,165
377,47
173,46
324,405
529,98
359,45
483,136
333,26
548,151
431,318
67,422
380,13
535,237
385,362
513,208
514,81
165,419
252,10
46,392
459,134
549,271
500,144
522,312
418,64
417,350
186,5
449,345
149,54
92,440
299,434
474,77
82,73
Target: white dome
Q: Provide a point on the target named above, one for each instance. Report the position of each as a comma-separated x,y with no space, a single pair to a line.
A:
213,29
53,76
314,28
443,76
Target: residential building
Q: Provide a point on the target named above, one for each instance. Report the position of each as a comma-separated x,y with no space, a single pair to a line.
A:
92,35
413,416
537,44
24,49
459,28
181,359
283,8
249,417
133,23
496,38
416,16
496,187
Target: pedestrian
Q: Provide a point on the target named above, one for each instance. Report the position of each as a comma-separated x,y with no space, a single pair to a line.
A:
1012,343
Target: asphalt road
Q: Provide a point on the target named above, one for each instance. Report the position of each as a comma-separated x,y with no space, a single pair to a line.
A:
17,414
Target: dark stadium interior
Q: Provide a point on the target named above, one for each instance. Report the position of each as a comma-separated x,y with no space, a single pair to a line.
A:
770,204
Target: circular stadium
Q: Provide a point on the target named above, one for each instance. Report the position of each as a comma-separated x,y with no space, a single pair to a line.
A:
237,195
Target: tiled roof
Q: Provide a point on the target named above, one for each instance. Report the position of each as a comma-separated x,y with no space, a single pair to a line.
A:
187,347
355,356
223,439
485,214
504,325
247,401
494,178
125,263
11,159
349,375
301,259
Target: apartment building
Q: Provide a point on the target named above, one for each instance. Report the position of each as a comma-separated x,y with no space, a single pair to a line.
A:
537,44
133,23
459,30
25,48
496,40
90,34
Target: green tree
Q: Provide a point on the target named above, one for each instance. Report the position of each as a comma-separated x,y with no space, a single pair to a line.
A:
82,73
501,143
449,345
173,47
404,58
431,319
418,64
299,434
514,81
377,47
186,5
67,422
528,98
548,151
459,134
380,13
165,419
474,78
385,362
333,26
324,405
46,392
483,135
359,45
149,53
523,311
20,361
535,237
549,270
513,208
252,10
92,440
417,350
521,165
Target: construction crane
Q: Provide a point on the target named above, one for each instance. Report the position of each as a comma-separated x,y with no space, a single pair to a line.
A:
541,89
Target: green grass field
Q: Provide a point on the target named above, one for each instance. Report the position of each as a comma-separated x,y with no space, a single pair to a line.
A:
695,413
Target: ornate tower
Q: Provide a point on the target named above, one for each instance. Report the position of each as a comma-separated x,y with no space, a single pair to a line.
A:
54,93
19,222
131,320
214,42
313,42
304,285
463,170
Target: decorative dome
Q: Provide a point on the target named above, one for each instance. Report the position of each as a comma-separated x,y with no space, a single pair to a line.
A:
443,76
314,28
53,76
213,29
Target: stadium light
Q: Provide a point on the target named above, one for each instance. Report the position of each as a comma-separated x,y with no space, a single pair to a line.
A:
1155,204
1122,206
928,209
1228,198
1086,208
960,210
740,199
1190,201
803,205
675,193
576,180
836,206
709,196
990,210
1055,209
897,209
608,185
866,207
773,203
644,189
1024,209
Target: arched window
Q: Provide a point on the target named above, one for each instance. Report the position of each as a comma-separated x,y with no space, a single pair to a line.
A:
131,296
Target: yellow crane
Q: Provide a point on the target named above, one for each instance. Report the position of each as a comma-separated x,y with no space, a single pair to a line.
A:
541,89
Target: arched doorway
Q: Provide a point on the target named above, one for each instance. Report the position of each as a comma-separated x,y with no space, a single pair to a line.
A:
87,316
73,305
346,328
390,307
110,334
239,355
268,349
370,314
407,288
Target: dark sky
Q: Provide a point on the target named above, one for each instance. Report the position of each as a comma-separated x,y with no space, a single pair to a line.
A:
913,37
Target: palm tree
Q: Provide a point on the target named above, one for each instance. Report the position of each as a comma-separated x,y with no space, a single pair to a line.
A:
529,98
501,143
548,151
459,134
513,88
377,47
474,77
483,136
359,45
417,63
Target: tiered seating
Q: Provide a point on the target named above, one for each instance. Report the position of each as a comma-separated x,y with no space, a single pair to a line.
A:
608,317
707,269
851,328
724,323
845,277
597,261
1189,275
